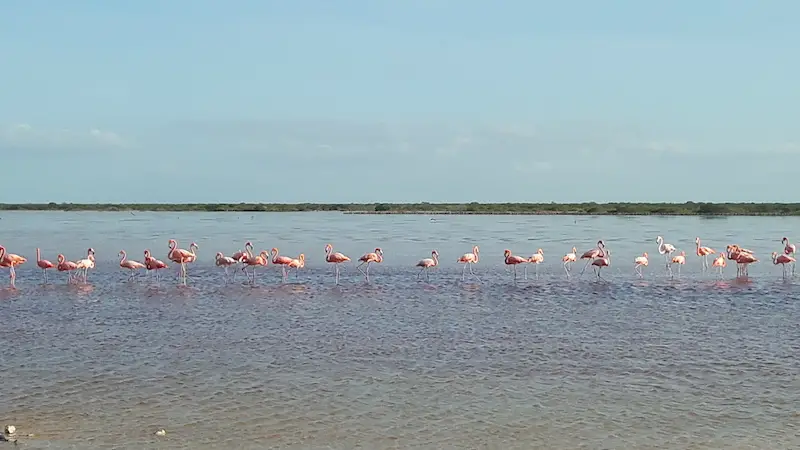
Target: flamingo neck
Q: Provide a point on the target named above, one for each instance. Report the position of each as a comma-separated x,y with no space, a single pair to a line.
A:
38,254
435,258
124,256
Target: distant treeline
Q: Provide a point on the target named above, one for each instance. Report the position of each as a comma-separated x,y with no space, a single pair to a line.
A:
664,209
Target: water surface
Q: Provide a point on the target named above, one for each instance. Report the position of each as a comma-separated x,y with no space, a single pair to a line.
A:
697,362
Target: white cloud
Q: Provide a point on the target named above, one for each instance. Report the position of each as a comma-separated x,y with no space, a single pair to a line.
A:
29,137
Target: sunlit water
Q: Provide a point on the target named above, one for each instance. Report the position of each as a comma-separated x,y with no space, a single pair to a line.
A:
696,362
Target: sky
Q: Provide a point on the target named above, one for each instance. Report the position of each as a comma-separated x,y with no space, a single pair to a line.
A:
399,101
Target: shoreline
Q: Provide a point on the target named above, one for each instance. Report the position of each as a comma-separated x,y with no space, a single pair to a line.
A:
527,209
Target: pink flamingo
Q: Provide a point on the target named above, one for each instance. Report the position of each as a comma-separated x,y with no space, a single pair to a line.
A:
719,262
742,256
537,258
679,260
283,261
43,264
639,262
468,259
10,261
591,255
514,260
369,258
603,261
335,259
66,266
703,252
129,264
782,260
181,256
225,261
262,259
86,263
151,263
569,259
297,264
427,263
667,250
240,255
789,250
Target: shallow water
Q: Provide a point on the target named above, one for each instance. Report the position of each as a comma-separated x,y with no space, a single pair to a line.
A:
694,362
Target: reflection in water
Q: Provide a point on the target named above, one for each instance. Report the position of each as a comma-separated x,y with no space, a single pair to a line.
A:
694,362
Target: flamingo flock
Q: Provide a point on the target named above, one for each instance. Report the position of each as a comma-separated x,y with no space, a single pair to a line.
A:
598,257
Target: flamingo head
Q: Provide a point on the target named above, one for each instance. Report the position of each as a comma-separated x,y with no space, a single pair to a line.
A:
219,255
601,244
379,251
328,248
697,240
193,244
540,251
775,254
147,253
574,250
172,243
274,250
506,253
434,253
121,253
264,254
302,257
784,240
475,249
659,240
61,258
90,251
248,244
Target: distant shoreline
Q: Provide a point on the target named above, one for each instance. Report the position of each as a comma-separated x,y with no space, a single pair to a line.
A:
579,209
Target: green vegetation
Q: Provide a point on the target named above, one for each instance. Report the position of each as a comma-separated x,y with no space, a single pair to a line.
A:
664,209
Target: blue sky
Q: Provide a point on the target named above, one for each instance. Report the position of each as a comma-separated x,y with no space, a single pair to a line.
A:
357,101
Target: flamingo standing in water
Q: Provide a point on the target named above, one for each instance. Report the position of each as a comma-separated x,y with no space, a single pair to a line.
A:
181,256
86,263
782,260
151,263
719,262
262,259
639,262
335,259
703,252
591,255
10,261
129,264
514,260
569,259
743,258
536,259
43,264
225,261
789,250
603,261
66,266
666,250
679,260
369,258
283,261
468,259
239,255
297,264
427,263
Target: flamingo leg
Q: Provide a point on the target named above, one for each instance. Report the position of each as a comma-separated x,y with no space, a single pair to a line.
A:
473,273
536,269
428,275
367,271
337,272
588,261
464,271
566,269
515,273
526,272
